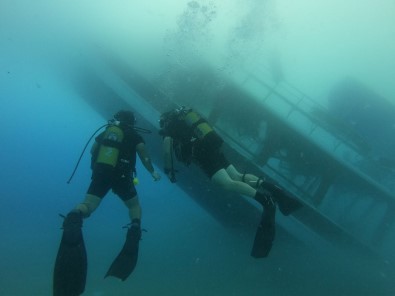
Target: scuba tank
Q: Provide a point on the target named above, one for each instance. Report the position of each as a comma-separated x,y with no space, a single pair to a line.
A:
200,126
206,135
109,149
110,145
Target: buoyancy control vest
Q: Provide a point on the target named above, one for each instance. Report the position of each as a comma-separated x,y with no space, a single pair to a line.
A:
116,146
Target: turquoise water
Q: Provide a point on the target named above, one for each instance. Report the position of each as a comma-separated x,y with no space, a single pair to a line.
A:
185,251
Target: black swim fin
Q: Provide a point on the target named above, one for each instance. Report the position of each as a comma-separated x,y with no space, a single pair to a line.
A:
265,232
71,264
285,202
126,260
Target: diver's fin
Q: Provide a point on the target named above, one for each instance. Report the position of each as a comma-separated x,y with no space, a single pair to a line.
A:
265,233
70,270
126,260
286,203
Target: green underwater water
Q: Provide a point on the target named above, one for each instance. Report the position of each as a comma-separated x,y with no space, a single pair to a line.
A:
185,251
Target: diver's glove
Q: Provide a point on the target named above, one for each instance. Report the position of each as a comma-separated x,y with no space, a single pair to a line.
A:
171,174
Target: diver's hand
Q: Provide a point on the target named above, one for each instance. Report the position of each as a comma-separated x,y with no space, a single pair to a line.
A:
172,177
156,176
171,174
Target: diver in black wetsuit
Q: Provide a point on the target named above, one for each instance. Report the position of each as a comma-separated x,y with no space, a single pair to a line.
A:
193,140
113,166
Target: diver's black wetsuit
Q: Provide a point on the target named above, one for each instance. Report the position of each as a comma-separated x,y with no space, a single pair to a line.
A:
118,178
206,152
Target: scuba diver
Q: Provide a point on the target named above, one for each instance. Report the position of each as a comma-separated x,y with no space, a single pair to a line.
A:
193,140
113,167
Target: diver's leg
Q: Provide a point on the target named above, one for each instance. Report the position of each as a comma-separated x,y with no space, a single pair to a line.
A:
266,229
102,179
249,179
134,208
223,179
89,205
286,203
70,270
71,262
234,173
126,261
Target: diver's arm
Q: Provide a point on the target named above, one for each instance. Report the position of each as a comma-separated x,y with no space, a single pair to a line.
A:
168,159
146,160
167,150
